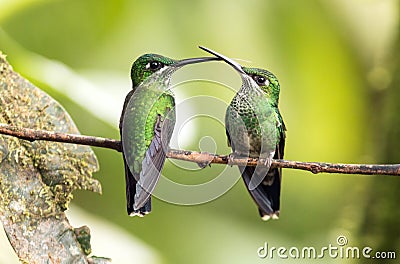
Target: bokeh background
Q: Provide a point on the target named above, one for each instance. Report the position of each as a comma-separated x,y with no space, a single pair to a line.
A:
339,69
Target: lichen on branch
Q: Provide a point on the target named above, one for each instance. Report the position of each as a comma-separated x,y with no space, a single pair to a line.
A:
37,178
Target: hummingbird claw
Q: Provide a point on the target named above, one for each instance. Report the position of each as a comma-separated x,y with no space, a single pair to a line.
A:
202,165
232,157
207,159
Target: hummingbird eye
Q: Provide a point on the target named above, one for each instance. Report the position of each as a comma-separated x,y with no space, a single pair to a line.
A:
261,80
154,65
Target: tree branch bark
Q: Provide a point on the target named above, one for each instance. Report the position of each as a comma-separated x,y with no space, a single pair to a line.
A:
204,157
37,178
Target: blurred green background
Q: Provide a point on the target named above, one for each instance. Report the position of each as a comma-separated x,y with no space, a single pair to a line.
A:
339,69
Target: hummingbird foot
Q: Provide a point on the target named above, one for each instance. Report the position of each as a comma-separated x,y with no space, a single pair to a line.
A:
234,156
202,165
206,158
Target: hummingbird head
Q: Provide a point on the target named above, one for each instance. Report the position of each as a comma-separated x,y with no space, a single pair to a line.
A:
148,64
266,80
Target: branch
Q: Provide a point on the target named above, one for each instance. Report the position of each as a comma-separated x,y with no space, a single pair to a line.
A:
37,179
204,157
33,134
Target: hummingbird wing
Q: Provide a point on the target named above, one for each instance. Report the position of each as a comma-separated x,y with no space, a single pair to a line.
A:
130,179
155,156
227,129
263,134
280,150
267,194
240,141
146,127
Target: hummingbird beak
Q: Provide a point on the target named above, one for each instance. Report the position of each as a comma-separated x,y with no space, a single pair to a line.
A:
231,62
193,61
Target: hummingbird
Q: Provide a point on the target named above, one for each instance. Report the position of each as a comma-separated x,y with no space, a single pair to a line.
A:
255,128
146,125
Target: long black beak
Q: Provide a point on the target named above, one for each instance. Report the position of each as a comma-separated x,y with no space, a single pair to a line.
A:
231,62
194,60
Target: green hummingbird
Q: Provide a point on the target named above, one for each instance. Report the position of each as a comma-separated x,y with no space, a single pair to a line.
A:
146,125
255,128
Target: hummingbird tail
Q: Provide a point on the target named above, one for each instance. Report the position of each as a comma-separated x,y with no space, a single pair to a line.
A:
267,194
142,211
130,194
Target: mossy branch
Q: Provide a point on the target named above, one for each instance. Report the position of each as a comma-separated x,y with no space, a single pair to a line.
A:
204,157
37,178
